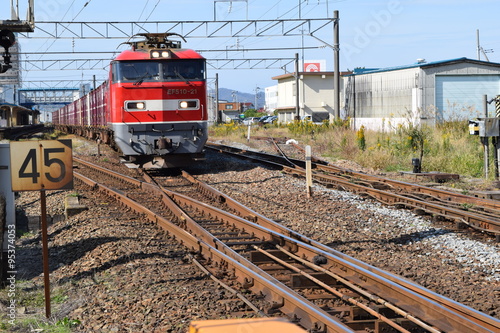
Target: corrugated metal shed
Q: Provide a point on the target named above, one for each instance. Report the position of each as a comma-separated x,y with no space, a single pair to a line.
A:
424,92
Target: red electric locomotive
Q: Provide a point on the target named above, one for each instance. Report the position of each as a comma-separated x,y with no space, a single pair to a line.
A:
152,108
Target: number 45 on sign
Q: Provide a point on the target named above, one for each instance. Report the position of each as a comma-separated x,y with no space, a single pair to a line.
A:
41,165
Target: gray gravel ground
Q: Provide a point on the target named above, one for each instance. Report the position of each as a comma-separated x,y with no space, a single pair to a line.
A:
117,271
457,264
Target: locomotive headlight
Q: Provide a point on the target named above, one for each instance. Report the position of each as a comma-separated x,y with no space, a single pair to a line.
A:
136,105
187,104
160,54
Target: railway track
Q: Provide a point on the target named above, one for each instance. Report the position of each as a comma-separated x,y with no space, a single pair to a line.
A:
477,213
320,289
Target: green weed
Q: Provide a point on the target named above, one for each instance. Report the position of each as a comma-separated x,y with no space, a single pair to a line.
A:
447,147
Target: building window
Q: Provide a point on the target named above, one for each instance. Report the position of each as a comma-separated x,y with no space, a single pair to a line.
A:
229,107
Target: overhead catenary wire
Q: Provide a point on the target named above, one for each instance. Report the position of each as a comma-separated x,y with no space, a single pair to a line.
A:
154,10
143,9
72,20
264,27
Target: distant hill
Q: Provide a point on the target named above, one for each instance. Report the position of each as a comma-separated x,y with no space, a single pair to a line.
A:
227,95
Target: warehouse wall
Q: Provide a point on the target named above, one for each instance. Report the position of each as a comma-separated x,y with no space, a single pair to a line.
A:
383,100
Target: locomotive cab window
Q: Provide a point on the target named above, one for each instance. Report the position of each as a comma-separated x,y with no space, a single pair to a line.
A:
136,71
182,70
153,71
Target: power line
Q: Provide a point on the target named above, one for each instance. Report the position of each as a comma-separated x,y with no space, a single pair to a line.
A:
143,9
152,11
74,18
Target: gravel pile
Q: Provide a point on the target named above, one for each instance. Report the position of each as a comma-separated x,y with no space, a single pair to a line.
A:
119,273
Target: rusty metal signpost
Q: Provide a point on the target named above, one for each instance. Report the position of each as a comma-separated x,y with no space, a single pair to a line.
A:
41,166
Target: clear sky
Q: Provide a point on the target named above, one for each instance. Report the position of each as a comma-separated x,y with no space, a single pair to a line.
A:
373,34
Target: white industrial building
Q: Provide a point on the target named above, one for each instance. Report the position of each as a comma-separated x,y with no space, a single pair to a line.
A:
382,98
424,92
315,96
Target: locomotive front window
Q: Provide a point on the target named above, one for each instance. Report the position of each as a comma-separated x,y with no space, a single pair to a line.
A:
136,71
183,70
161,70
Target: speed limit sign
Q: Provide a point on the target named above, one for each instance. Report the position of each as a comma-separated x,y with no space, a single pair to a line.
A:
41,165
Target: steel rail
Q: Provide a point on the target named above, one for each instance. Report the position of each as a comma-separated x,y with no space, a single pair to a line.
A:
362,274
481,222
116,175
405,186
251,215
291,304
335,291
438,193
477,221
357,289
228,288
328,167
416,303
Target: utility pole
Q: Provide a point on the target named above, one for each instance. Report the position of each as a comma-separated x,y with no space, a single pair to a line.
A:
478,45
256,97
297,89
217,112
336,64
480,49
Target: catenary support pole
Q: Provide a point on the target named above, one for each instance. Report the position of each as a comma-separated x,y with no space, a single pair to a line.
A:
297,89
336,64
217,112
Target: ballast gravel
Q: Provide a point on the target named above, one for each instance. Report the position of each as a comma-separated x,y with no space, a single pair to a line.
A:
119,273
461,265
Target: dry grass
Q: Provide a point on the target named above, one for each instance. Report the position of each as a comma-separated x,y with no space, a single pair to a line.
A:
448,148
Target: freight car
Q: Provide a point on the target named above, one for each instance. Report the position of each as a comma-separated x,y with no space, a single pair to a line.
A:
152,108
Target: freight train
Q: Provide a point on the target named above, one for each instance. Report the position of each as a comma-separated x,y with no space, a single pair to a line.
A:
152,108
